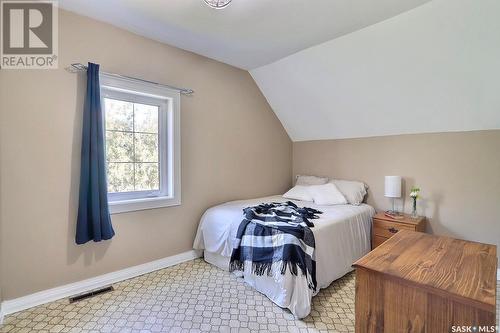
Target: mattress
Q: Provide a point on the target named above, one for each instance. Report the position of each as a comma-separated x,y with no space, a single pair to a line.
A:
342,235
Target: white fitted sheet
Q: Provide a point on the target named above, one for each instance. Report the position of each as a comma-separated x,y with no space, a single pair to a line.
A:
342,235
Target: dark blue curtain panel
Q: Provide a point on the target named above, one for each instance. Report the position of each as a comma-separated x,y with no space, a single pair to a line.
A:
94,221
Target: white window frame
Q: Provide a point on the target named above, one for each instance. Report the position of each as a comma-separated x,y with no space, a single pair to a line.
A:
168,100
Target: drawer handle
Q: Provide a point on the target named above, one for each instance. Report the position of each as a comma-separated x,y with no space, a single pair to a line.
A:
393,230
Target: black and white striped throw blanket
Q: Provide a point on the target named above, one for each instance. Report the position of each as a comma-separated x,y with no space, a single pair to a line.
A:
274,237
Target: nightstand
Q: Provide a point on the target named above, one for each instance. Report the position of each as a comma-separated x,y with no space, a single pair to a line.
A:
385,227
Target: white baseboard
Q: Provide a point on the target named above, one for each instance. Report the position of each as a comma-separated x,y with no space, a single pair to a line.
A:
50,295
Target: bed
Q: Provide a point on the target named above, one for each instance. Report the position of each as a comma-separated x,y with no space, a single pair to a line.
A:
342,235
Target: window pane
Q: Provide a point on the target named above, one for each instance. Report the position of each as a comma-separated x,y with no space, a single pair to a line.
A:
132,146
119,146
146,147
120,177
146,118
119,114
146,177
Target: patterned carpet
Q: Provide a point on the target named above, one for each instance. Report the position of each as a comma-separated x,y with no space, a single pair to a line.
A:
190,297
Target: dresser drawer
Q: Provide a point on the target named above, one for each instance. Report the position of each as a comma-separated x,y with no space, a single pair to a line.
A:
387,229
377,240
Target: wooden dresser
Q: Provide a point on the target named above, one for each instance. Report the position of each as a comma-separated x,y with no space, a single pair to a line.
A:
385,227
415,282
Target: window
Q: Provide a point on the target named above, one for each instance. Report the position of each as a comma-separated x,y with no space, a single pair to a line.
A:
141,122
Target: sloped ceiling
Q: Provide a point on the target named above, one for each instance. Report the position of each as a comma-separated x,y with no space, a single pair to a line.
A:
248,33
434,68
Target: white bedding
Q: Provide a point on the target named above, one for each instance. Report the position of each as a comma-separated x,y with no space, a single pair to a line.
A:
342,235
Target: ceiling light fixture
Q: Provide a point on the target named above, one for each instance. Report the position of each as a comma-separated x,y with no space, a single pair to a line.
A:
218,4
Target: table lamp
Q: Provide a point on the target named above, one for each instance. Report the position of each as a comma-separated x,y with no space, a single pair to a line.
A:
393,190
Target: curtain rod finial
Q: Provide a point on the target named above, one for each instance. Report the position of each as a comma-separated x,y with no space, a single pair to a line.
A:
76,67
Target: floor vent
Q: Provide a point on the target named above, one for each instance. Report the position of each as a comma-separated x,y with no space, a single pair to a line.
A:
91,294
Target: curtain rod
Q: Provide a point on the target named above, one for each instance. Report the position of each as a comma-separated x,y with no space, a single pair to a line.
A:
78,67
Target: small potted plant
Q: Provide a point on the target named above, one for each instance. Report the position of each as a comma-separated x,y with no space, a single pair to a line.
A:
414,194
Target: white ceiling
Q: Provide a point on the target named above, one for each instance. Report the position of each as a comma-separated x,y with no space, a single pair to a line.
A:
248,33
435,68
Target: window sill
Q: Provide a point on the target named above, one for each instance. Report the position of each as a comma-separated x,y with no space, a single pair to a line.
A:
124,206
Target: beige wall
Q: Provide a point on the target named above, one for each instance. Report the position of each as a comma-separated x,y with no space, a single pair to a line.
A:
233,147
458,173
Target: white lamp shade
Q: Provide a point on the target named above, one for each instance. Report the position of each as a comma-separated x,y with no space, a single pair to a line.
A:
393,186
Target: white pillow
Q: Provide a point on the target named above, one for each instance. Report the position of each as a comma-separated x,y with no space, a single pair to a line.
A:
311,180
353,191
299,192
327,194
